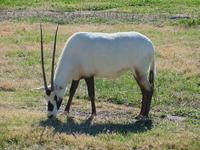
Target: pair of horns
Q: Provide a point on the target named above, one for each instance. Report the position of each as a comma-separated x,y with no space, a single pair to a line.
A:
48,91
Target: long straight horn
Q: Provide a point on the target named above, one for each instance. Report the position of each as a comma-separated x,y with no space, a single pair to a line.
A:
42,61
53,59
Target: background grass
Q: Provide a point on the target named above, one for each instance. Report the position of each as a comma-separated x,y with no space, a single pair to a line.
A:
175,107
174,12
135,6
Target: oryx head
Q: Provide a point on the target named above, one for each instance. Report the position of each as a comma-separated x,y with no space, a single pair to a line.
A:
53,100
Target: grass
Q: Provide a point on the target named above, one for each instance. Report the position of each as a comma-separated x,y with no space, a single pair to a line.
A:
135,6
156,12
33,131
175,107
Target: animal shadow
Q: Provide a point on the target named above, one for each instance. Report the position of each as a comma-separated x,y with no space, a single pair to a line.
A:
87,127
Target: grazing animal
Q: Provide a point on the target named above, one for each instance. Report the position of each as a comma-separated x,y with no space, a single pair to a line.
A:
88,54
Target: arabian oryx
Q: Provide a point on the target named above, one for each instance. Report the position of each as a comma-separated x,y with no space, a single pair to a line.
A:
89,54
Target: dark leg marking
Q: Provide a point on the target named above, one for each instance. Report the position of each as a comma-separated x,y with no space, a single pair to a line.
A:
150,93
91,92
72,91
58,102
146,96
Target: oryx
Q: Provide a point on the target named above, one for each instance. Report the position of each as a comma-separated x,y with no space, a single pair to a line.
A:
90,54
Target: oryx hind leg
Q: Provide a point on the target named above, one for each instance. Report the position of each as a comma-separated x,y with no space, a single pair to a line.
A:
147,92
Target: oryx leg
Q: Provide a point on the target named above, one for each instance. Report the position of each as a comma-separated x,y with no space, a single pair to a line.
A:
72,91
147,92
91,92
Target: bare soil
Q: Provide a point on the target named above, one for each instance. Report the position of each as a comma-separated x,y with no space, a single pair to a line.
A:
68,17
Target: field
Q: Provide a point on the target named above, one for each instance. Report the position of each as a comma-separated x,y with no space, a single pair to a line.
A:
174,28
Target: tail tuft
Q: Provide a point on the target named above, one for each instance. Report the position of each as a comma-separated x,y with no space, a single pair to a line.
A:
152,73
151,78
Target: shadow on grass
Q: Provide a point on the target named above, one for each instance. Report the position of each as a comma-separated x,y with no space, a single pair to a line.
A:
86,127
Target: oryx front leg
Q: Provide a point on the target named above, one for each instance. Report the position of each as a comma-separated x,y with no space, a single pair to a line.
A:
72,91
91,92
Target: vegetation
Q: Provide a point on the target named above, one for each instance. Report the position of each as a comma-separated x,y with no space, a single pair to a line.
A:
135,6
175,107
159,12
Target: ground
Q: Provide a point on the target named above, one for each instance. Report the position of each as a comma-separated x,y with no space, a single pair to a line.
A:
174,117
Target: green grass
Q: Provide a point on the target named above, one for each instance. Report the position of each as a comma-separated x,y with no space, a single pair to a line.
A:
136,6
156,12
23,123
37,132
188,22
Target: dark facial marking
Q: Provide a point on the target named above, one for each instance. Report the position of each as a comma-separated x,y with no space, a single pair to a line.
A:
58,101
48,92
50,106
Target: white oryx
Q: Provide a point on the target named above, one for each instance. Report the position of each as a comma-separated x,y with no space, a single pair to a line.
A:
88,54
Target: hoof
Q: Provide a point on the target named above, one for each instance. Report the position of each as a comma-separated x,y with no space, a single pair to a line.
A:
66,113
93,115
141,117
50,117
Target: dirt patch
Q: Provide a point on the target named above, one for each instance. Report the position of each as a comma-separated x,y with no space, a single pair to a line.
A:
111,118
175,118
7,106
68,17
106,112
81,110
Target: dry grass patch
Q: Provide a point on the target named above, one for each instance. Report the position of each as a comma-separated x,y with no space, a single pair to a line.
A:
173,44
17,84
6,29
30,129
23,122
5,62
180,59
